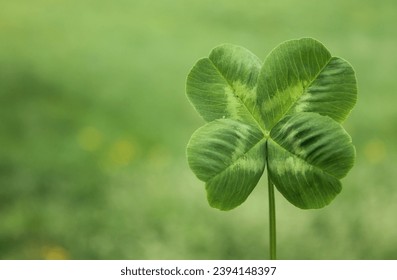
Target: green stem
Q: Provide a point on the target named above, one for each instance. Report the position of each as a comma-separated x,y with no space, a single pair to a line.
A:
272,219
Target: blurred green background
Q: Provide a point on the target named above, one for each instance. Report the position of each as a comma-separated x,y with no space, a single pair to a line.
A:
94,123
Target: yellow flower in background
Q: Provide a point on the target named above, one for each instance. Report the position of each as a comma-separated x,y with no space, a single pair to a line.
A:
375,151
54,253
121,152
90,138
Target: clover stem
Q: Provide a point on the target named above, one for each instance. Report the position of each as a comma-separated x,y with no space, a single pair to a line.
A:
272,219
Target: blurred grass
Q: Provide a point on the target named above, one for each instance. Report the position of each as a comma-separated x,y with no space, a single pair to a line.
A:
94,124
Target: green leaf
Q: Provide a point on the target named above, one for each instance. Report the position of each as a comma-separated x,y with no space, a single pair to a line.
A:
230,157
224,85
286,112
307,155
302,76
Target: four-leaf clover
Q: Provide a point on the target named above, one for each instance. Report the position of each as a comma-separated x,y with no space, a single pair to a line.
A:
284,114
